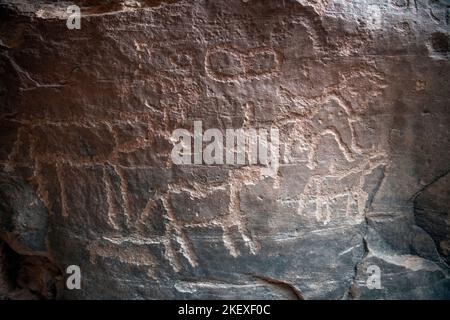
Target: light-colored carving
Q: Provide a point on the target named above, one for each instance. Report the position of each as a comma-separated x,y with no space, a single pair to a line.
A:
225,63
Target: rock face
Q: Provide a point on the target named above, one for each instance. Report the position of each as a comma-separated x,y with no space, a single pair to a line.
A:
357,89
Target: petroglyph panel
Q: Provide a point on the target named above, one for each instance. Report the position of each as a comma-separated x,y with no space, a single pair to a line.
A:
358,93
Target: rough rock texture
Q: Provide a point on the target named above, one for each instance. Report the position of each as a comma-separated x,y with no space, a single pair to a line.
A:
358,89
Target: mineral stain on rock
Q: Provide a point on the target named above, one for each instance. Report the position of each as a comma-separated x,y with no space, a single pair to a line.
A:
358,91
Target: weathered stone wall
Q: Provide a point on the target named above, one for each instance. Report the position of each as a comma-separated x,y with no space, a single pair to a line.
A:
359,91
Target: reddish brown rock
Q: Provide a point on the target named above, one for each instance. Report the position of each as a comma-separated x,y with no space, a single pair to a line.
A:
358,91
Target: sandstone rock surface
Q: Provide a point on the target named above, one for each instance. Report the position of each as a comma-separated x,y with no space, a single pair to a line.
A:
359,91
